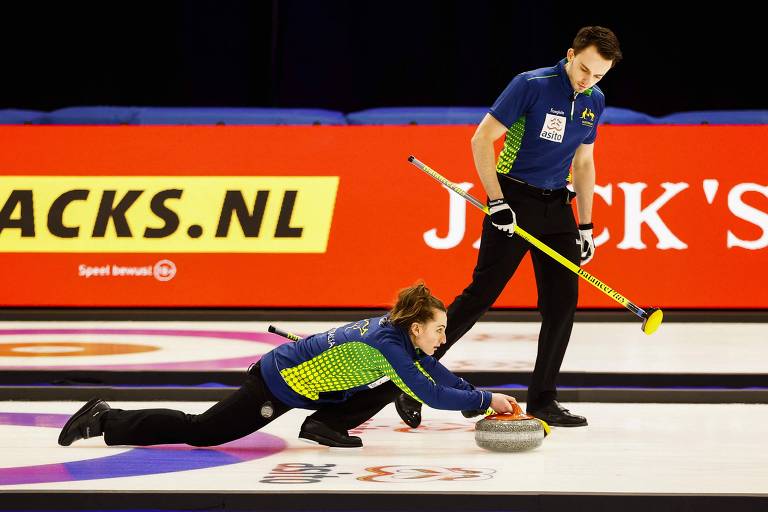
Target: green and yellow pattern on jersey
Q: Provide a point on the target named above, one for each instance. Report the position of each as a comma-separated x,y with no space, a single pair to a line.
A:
343,367
512,144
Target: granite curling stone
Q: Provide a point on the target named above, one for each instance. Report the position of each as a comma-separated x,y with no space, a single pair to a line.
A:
515,432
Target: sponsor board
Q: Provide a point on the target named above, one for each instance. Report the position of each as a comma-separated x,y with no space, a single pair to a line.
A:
336,217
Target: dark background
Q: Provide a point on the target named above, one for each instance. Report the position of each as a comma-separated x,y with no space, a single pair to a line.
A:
351,55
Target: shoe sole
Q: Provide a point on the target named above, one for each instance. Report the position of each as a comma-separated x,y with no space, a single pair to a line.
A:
341,448
79,414
413,423
324,441
555,424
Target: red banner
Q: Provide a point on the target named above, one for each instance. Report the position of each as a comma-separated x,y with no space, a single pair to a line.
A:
336,217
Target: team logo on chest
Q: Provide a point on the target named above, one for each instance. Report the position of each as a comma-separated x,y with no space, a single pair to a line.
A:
588,118
553,129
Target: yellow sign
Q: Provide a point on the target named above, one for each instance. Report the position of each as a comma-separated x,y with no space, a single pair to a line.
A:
182,214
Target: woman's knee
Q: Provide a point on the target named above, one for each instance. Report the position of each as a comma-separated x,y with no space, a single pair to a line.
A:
199,433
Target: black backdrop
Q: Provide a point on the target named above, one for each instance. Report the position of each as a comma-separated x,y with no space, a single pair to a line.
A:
350,55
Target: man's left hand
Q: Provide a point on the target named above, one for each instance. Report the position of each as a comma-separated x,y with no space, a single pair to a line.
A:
587,243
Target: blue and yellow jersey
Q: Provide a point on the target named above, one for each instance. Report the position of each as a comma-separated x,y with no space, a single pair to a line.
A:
546,121
331,366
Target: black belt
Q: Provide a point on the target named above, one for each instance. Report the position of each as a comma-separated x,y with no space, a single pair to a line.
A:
546,192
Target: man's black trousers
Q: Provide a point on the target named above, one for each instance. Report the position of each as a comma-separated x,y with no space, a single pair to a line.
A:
548,217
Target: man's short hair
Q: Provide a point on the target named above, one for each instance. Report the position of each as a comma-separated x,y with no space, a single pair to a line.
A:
603,39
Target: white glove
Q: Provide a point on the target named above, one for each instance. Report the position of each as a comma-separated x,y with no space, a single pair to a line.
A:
502,216
587,243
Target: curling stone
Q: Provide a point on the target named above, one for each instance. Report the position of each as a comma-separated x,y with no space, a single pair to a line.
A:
515,432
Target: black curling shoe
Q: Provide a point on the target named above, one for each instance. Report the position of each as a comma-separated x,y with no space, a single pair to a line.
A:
313,430
558,416
471,413
409,410
84,423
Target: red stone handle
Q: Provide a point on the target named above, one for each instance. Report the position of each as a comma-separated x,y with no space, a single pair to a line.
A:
516,414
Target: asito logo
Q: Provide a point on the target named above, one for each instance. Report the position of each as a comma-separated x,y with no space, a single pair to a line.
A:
300,473
295,473
553,129
404,474
166,214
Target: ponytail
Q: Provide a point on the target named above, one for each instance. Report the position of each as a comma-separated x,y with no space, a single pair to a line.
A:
414,304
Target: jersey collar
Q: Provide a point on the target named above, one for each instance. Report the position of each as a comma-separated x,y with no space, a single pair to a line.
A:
414,352
567,83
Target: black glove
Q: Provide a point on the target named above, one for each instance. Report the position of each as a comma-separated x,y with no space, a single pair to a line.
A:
502,216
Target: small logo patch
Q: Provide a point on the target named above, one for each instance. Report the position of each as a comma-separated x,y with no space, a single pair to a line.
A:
553,129
588,117
267,411
379,382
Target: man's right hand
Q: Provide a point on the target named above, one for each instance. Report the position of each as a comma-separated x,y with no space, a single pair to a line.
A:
502,403
502,216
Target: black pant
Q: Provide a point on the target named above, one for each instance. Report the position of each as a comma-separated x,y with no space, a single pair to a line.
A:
232,418
550,219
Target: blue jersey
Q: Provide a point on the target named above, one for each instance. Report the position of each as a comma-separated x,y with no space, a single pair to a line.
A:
331,366
547,123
